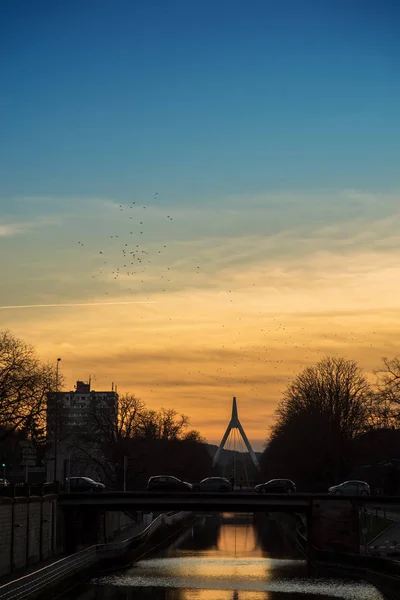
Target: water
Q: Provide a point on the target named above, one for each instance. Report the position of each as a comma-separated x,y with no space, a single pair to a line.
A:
224,558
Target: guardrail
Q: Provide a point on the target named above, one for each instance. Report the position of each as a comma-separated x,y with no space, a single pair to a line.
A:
38,580
358,561
30,584
120,546
29,490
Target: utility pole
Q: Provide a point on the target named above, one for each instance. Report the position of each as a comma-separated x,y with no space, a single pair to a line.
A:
56,423
125,466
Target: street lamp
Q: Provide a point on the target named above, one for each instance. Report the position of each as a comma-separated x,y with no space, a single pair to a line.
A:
56,422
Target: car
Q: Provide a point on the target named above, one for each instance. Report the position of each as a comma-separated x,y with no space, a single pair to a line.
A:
215,484
351,488
167,483
276,486
83,484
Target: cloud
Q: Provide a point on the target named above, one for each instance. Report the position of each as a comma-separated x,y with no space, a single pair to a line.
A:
60,305
16,228
11,229
283,280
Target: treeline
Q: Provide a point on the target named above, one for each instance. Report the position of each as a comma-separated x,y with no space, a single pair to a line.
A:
146,441
25,382
142,442
333,424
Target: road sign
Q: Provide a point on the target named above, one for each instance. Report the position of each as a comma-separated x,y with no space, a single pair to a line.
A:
28,462
28,453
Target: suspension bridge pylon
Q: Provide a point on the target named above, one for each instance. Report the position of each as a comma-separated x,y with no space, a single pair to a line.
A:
234,423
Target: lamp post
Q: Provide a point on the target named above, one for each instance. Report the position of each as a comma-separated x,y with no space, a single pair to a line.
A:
56,423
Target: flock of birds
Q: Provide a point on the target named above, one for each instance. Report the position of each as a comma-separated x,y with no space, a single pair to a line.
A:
125,258
128,251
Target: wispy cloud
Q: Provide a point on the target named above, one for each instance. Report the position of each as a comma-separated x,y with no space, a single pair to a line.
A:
60,305
239,295
12,229
293,257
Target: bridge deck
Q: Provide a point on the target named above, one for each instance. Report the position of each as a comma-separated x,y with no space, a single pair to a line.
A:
200,501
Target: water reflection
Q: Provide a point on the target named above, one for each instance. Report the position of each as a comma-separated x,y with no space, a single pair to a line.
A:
217,559
201,579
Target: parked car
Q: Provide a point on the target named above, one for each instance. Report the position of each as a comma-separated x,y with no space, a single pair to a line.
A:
4,482
215,484
167,483
351,488
276,486
83,484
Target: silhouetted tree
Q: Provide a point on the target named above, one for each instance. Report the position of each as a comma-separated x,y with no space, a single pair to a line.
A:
182,458
148,440
113,424
107,439
24,384
194,436
322,411
165,424
388,391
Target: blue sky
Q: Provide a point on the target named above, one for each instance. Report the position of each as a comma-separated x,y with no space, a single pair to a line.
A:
197,98
260,144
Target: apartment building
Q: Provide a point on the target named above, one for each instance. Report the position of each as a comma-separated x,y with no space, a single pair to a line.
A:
74,429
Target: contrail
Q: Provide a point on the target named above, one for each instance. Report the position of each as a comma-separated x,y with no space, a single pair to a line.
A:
17,306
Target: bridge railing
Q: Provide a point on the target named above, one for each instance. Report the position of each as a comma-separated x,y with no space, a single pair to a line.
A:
47,576
28,490
120,545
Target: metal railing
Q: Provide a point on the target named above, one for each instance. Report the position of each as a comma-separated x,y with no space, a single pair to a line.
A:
30,584
28,490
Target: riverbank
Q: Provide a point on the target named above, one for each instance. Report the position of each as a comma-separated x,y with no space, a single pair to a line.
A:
381,572
41,582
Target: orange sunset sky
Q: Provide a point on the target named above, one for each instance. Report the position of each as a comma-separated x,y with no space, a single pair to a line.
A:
212,317
202,216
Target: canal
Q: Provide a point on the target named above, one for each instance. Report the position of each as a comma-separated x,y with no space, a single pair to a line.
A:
223,557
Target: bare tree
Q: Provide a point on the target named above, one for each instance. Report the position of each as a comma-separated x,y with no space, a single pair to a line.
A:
115,423
388,394
24,384
322,411
165,424
334,392
194,436
108,434
138,438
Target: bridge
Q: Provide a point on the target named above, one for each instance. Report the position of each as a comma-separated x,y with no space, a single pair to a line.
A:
84,512
212,501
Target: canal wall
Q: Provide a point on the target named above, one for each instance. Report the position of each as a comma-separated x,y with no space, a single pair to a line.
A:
384,574
116,522
70,570
28,532
288,525
32,531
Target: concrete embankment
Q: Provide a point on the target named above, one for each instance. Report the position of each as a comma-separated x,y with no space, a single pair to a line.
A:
388,585
383,573
288,525
28,531
44,582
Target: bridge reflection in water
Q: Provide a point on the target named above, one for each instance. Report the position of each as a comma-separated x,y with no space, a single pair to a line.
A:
220,559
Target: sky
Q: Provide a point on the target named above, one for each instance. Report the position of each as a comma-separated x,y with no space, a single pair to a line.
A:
200,199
